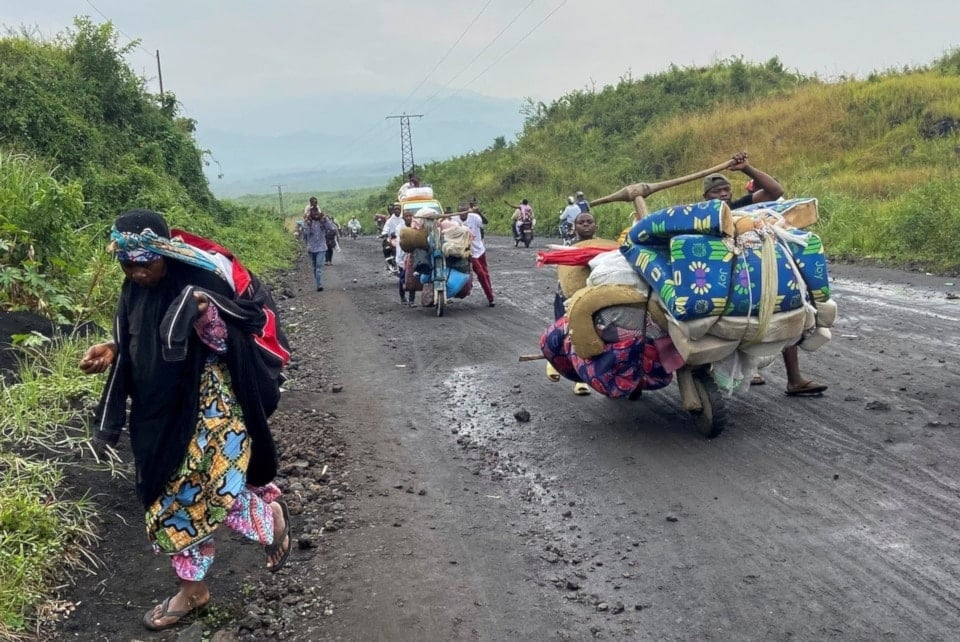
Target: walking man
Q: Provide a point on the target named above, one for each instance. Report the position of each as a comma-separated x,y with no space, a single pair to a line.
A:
316,227
478,253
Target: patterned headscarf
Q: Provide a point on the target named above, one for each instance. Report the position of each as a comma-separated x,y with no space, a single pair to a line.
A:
142,236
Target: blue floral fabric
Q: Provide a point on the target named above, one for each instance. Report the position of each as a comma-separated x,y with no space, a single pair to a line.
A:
705,274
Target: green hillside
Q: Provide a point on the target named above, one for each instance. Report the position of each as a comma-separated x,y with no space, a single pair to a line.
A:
881,154
81,140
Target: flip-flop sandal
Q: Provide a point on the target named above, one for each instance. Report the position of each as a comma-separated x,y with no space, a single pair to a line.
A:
165,612
581,389
808,389
273,549
552,373
757,380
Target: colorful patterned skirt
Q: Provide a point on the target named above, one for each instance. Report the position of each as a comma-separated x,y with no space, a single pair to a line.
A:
199,495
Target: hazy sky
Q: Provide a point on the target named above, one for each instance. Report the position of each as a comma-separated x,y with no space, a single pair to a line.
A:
220,56
510,48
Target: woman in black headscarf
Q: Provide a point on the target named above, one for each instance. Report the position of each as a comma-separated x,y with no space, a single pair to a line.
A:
197,352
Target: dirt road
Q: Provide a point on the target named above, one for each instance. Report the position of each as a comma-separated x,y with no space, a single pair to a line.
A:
440,516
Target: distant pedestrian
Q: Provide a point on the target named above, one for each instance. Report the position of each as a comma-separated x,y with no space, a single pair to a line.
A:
332,237
404,261
316,229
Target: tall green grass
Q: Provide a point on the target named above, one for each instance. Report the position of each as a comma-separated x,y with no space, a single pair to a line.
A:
47,531
42,535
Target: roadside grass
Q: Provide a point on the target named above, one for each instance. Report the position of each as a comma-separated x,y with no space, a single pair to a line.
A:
40,536
47,532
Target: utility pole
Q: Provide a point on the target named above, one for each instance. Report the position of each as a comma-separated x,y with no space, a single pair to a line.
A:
280,195
406,142
160,76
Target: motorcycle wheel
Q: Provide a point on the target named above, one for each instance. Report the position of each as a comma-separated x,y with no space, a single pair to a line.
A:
713,418
526,242
441,301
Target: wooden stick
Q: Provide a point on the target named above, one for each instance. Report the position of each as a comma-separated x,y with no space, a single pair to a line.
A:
632,192
531,357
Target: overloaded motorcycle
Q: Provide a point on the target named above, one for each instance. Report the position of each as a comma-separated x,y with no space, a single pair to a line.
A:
696,293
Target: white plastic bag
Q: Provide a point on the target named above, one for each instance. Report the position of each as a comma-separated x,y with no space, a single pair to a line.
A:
612,268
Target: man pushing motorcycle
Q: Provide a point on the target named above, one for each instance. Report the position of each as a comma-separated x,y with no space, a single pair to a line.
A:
766,188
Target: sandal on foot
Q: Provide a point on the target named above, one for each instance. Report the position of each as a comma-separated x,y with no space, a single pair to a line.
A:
273,549
552,373
806,389
757,380
581,389
149,620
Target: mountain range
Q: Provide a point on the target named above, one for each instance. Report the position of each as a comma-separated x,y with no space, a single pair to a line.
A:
331,141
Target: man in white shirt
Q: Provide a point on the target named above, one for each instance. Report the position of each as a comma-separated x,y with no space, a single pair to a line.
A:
390,230
478,253
570,213
394,223
401,259
354,226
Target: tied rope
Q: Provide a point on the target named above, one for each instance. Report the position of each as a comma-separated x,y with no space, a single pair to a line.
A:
771,235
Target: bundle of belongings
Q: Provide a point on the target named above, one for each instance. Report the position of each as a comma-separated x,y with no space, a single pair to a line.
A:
716,286
420,244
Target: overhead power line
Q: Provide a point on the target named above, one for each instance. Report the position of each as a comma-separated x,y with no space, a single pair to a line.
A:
363,142
367,136
355,144
517,44
449,51
120,31
483,51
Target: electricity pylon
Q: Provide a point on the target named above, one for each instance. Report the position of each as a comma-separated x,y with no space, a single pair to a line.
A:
406,142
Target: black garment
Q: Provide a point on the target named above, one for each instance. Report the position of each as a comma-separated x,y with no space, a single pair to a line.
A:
403,275
743,201
158,364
